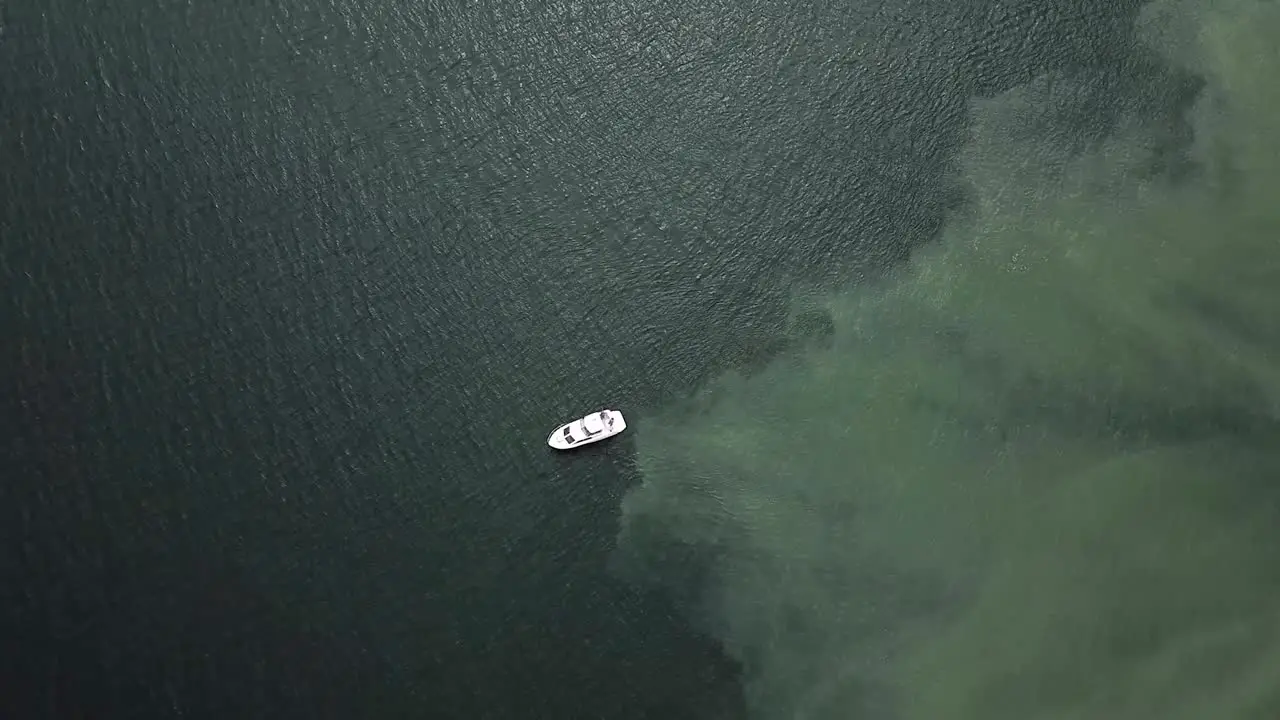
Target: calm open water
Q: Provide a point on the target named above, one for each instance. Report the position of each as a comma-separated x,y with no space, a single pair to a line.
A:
299,289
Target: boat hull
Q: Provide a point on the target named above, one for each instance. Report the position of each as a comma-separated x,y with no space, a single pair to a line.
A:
573,435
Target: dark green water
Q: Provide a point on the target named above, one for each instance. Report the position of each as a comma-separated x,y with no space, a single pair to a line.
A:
298,290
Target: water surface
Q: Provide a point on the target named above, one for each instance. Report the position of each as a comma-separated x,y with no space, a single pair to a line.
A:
299,290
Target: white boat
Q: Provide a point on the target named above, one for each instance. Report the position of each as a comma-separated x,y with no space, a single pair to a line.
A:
586,430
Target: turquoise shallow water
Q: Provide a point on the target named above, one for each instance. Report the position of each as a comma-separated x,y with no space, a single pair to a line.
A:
297,292
1031,473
